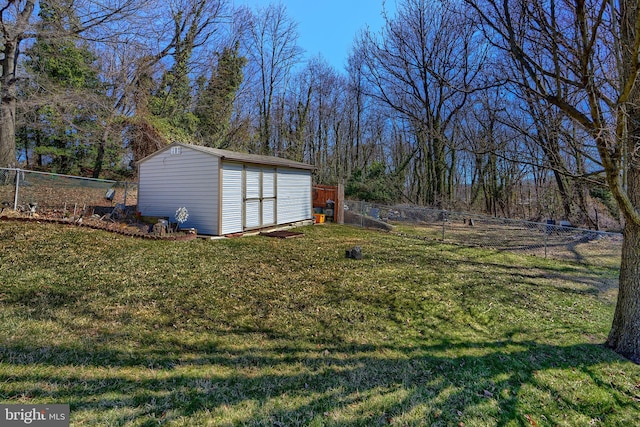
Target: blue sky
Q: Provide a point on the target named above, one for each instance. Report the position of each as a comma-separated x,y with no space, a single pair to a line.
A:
328,27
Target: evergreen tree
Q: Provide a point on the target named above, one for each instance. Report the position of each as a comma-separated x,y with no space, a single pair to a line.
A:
170,105
67,92
374,185
214,107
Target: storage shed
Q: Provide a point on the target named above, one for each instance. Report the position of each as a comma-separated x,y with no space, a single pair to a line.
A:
223,191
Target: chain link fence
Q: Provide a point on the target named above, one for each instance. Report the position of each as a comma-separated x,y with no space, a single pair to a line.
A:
59,196
549,240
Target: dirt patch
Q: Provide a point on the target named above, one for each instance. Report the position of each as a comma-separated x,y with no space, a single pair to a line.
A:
282,234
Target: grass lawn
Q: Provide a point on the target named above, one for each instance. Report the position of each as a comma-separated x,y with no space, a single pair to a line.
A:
263,331
524,238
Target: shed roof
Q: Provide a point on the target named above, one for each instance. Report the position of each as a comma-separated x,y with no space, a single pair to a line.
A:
237,157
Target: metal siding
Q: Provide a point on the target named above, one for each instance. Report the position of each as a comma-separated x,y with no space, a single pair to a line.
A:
170,181
268,183
231,198
268,211
268,196
294,195
252,213
252,183
252,194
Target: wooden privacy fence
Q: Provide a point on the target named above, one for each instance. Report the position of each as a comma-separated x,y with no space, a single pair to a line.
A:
323,195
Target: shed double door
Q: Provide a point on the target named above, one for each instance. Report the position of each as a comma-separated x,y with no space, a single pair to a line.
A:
259,197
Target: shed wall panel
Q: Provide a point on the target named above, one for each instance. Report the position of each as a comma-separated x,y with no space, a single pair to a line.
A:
268,196
268,212
232,199
268,183
252,182
186,178
252,213
293,195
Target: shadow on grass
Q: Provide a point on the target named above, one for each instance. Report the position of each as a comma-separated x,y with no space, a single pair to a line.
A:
284,383
595,280
164,369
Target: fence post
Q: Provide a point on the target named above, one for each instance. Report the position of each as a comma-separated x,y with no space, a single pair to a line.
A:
338,213
15,198
126,188
444,220
546,234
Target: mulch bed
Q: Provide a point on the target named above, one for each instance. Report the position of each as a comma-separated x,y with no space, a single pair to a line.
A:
113,227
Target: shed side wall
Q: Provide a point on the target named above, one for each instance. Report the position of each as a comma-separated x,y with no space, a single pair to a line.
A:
169,181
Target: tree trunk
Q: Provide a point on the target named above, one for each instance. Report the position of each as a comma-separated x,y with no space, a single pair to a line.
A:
8,106
97,165
7,130
565,197
12,34
624,337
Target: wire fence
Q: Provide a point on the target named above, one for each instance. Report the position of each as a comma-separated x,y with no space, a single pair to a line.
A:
58,196
550,240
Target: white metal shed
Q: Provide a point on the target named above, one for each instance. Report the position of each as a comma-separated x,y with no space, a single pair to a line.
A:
224,192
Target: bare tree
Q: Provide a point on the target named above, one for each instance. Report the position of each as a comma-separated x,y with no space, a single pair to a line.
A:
357,88
295,115
492,150
324,116
423,67
272,52
593,48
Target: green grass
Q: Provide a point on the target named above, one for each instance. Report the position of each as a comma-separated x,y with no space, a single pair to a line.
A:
262,331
